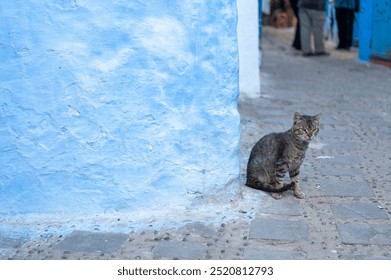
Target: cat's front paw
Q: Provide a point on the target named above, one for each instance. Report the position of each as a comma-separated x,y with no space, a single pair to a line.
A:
299,195
277,195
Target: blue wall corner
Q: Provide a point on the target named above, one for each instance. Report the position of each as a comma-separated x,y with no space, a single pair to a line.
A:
117,106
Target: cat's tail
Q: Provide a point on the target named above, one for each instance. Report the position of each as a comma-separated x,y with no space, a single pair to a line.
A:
255,184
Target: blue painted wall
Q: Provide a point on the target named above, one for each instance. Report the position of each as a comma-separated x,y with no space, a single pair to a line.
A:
365,30
117,105
381,26
374,26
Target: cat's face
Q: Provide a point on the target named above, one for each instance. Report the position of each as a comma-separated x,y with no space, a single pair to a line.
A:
305,127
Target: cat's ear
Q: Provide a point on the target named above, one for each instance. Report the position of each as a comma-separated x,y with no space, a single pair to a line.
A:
297,117
317,117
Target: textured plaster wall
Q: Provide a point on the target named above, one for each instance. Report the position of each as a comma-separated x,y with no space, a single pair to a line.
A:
117,105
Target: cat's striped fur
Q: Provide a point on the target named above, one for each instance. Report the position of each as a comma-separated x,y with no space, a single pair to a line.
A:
276,154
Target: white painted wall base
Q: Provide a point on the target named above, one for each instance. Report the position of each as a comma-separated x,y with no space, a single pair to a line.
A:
249,54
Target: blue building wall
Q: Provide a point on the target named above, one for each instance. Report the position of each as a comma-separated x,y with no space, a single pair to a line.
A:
365,29
117,105
374,25
381,26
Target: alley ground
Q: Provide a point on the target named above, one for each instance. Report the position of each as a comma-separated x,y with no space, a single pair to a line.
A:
346,175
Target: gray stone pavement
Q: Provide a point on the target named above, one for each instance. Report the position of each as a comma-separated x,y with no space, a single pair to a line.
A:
346,176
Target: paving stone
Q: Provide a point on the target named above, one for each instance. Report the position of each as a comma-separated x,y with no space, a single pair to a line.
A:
366,211
273,254
178,250
341,146
366,257
349,172
7,242
335,134
384,132
9,245
200,229
348,160
365,234
89,242
346,189
262,228
277,124
330,120
289,206
363,115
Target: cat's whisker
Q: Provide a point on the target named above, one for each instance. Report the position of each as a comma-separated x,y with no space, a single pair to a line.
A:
316,140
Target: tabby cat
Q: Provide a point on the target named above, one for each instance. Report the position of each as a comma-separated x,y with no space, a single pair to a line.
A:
278,153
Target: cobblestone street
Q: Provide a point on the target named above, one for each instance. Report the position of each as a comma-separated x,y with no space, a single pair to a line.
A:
346,175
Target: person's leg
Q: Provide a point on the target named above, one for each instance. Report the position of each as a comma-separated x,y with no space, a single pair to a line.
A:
318,18
346,33
349,27
340,24
305,31
297,40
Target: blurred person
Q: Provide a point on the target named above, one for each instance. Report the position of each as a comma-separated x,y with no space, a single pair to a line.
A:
344,12
312,16
296,41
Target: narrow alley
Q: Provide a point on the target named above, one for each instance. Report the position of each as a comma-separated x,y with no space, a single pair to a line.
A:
346,175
